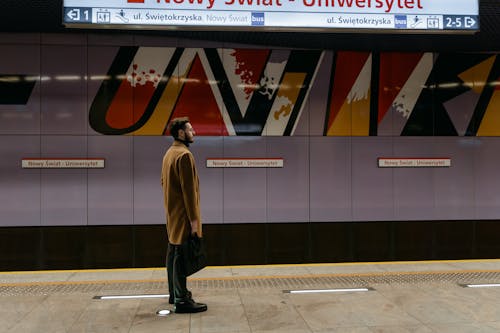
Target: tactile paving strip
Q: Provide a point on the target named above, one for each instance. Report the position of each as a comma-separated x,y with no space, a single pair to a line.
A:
264,282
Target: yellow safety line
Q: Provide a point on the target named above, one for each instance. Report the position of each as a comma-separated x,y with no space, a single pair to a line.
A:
240,278
83,270
51,283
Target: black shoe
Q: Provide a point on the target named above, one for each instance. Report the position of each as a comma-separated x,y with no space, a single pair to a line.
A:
189,306
171,297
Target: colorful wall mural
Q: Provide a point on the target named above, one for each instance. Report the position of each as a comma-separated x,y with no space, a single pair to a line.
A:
263,92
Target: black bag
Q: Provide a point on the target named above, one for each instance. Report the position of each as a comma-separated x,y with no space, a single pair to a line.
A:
194,255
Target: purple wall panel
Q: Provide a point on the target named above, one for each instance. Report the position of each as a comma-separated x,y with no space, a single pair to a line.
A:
63,100
23,118
147,196
454,187
63,191
288,187
372,187
102,39
211,179
110,198
155,41
20,38
487,182
245,188
413,187
19,188
330,179
63,39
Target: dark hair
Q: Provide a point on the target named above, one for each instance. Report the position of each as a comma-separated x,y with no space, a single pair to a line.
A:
176,124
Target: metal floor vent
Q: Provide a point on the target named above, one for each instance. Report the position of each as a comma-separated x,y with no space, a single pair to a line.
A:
265,282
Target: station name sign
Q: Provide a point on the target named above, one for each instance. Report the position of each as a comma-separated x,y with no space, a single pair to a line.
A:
65,163
351,15
245,163
429,162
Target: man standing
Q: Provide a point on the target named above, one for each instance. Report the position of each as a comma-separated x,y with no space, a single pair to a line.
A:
181,195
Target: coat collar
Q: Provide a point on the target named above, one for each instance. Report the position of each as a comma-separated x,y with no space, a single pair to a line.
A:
178,143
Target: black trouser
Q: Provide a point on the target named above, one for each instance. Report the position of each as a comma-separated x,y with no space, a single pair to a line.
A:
176,279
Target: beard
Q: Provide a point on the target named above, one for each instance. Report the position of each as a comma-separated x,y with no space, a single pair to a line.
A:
187,140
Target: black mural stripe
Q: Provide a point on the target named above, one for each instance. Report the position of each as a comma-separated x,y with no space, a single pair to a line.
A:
429,117
224,87
330,94
421,121
484,99
259,107
301,61
374,90
15,89
108,89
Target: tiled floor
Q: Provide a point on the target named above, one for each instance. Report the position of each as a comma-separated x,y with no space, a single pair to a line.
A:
403,297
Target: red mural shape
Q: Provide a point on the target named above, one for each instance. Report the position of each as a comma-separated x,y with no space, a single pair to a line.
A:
132,98
249,67
347,68
197,102
395,70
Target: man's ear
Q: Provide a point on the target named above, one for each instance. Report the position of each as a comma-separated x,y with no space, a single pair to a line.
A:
181,134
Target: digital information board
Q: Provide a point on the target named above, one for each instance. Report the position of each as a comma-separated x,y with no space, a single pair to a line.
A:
280,15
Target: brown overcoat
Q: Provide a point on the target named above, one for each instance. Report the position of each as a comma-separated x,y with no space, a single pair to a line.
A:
181,192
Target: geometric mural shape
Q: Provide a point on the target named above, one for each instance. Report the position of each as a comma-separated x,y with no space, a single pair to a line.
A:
461,109
284,103
490,124
244,68
395,70
203,112
350,95
476,77
398,114
138,86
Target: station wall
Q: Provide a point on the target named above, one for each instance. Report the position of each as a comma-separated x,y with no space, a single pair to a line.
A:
330,114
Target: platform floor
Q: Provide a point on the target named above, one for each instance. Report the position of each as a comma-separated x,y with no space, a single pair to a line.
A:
402,297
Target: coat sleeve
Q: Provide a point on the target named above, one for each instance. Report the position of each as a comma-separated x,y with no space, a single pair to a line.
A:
190,186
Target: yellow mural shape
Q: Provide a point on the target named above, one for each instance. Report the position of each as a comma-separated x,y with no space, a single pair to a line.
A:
490,125
475,77
290,89
353,118
284,103
159,119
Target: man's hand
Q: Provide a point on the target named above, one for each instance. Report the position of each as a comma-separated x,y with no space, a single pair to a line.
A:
194,227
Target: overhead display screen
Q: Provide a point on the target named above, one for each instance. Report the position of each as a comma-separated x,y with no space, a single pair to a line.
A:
279,15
